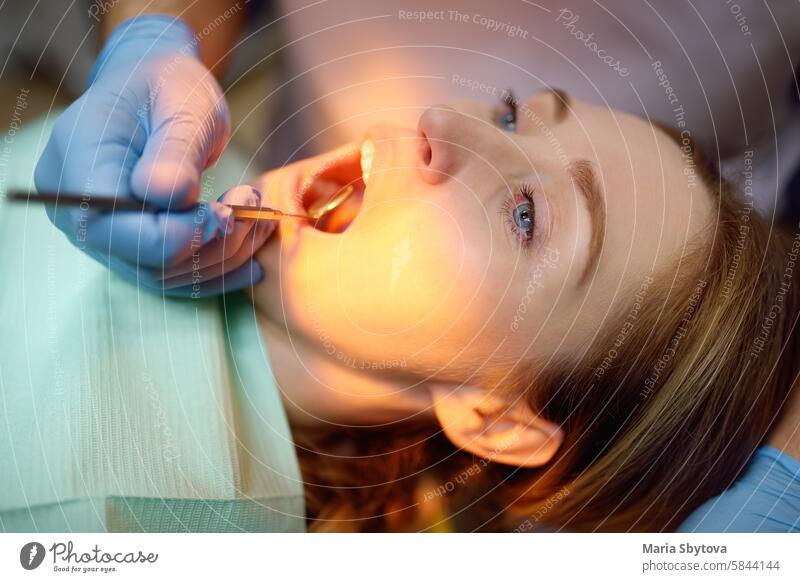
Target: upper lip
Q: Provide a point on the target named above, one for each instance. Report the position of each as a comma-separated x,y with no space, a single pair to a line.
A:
392,146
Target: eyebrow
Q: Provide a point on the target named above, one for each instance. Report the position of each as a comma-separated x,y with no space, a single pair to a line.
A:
584,177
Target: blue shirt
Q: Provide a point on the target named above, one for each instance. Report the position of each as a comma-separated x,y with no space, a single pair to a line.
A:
766,498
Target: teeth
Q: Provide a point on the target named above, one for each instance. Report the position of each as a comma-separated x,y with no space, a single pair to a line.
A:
367,151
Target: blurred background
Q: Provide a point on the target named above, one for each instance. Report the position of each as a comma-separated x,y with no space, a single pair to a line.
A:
327,68
47,49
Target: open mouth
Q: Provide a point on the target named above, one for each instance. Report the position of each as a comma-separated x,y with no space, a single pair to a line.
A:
350,170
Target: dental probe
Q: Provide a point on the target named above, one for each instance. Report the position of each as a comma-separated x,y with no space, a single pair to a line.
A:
318,209
262,213
83,200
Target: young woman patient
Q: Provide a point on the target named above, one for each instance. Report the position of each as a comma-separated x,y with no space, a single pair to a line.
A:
543,315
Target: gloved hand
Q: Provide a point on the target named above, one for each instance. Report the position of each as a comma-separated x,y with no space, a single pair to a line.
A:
208,271
152,119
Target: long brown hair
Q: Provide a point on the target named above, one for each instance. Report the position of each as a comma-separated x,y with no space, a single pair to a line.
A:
662,411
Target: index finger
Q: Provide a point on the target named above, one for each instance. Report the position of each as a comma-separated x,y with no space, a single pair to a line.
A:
157,239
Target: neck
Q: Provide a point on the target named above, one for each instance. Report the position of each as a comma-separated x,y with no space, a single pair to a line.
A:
323,391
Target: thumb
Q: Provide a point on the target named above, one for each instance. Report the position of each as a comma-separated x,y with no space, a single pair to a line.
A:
189,128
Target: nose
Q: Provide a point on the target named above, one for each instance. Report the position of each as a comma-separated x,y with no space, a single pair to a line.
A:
443,153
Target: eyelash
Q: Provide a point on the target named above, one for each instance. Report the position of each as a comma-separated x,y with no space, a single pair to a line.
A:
523,194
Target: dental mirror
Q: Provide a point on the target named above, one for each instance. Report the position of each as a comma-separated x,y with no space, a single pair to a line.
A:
317,210
321,207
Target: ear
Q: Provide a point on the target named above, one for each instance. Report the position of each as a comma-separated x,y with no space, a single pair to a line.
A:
488,426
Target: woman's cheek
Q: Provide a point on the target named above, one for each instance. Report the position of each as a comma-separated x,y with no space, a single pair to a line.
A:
395,269
408,272
422,272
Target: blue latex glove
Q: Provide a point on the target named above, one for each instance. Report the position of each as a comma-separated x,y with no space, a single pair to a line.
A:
152,119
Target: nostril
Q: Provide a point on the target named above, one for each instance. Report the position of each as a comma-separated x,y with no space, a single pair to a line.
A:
425,149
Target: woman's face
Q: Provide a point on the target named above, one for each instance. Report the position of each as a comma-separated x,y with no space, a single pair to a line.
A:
482,239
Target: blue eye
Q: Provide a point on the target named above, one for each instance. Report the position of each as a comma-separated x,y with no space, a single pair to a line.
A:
508,120
519,212
523,219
